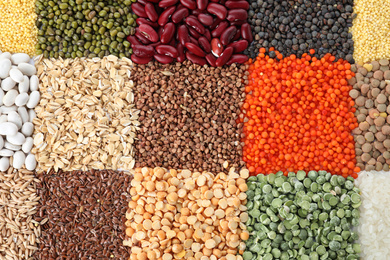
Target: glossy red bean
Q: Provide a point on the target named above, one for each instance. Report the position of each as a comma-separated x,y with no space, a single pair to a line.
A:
196,59
140,60
195,49
202,4
237,36
216,47
218,10
237,58
237,15
224,57
168,33
238,23
205,19
142,20
237,4
141,37
133,40
148,32
246,32
163,58
228,35
143,50
160,31
211,59
166,15
194,23
155,44
167,3
207,34
144,2
204,44
181,56
219,29
215,24
194,41
167,50
139,10
190,4
182,34
196,12
179,15
194,33
151,12
239,46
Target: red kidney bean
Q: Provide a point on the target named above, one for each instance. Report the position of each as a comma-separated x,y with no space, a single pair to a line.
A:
182,34
139,10
246,32
202,4
207,34
143,51
237,36
218,10
194,23
172,42
237,15
194,33
163,58
148,32
195,49
196,59
169,31
167,3
164,16
225,56
151,12
160,31
181,56
144,2
219,29
211,59
167,50
141,37
146,21
190,4
237,4
238,23
154,45
205,44
194,41
215,24
140,60
237,58
133,40
205,19
228,35
239,46
180,14
216,47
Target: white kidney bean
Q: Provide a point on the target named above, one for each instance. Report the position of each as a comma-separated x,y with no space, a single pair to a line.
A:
15,118
12,147
27,69
22,111
31,114
28,144
8,128
3,118
34,83
16,75
8,84
17,139
18,58
1,142
5,66
4,164
30,162
27,129
5,55
6,153
1,96
35,96
24,85
21,99
5,110
19,159
9,97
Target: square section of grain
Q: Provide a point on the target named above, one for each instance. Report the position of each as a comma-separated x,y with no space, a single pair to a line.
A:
86,117
188,116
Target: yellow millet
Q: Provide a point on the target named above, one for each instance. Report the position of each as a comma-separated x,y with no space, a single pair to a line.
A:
18,32
371,30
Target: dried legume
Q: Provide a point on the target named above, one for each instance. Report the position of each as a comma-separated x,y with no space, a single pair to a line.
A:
298,115
302,217
84,215
188,115
179,214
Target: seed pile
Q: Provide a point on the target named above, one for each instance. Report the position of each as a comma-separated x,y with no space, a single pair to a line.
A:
86,117
371,91
188,115
370,30
84,215
187,215
375,224
19,232
295,27
18,32
298,115
302,217
71,29
18,96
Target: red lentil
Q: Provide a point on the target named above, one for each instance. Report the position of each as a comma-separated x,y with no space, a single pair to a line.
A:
298,115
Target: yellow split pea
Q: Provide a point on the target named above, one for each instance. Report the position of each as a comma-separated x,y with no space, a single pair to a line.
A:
18,32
